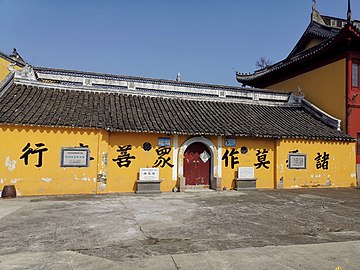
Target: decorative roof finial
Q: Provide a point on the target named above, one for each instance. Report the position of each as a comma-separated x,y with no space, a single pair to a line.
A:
315,15
16,56
178,77
314,5
349,12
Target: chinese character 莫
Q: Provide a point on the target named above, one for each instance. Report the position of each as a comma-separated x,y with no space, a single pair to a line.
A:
261,158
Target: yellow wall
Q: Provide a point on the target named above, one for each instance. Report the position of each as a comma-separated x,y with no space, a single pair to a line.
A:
265,177
341,164
102,161
325,87
4,68
50,178
105,175
123,179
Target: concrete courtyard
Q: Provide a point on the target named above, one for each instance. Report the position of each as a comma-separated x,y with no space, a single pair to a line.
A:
272,229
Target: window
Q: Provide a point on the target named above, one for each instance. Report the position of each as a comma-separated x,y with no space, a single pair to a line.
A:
355,75
358,143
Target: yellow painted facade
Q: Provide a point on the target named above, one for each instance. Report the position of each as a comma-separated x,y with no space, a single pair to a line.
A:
49,178
264,176
324,86
340,169
123,179
4,71
109,173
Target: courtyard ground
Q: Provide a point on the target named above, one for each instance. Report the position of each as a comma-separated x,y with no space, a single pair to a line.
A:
264,229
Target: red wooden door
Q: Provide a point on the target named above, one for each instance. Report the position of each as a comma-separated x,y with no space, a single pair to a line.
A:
197,160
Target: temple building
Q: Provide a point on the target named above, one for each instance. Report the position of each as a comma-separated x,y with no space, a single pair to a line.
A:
73,132
324,67
10,62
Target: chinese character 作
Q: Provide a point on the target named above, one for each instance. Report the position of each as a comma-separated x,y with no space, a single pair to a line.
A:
124,158
233,159
261,158
322,161
30,151
162,161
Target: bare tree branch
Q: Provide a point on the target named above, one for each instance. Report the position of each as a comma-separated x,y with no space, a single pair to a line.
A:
263,62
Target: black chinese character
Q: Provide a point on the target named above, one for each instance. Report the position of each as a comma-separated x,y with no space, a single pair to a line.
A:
322,161
294,151
233,159
29,151
85,146
162,161
124,158
261,157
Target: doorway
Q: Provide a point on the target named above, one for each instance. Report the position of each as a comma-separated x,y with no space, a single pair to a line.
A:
197,164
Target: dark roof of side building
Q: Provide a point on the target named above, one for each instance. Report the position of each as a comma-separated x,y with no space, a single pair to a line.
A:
14,57
290,66
333,35
314,30
40,104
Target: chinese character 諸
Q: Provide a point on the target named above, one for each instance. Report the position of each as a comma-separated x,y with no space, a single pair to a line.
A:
124,158
233,159
162,161
322,161
29,151
261,158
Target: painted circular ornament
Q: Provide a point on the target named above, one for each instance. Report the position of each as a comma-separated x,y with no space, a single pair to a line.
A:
147,146
244,150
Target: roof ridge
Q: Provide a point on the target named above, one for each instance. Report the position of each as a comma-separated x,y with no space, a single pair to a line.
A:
168,95
129,77
337,18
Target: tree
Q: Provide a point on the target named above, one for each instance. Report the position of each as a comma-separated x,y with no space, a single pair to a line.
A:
263,62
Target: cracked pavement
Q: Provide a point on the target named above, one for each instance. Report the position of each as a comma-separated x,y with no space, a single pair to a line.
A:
128,231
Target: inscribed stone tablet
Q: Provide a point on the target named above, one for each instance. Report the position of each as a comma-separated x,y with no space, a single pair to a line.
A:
149,174
74,157
246,173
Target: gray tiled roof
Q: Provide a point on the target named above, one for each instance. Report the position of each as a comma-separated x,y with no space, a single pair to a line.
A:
33,105
323,31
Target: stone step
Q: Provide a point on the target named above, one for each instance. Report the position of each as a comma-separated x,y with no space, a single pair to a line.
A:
197,188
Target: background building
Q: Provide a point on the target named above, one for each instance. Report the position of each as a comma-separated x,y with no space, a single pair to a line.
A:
10,62
323,66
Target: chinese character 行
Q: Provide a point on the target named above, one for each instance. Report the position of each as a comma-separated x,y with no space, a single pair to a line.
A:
29,151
